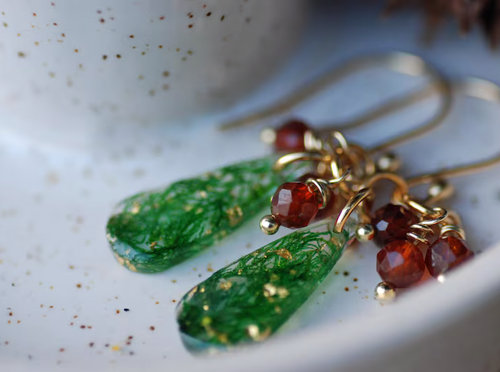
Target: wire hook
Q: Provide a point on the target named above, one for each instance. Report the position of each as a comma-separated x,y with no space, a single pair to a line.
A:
397,61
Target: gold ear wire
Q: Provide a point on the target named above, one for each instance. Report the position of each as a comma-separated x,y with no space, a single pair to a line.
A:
473,87
397,61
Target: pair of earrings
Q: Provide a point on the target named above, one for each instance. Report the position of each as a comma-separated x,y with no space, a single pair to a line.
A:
153,231
251,298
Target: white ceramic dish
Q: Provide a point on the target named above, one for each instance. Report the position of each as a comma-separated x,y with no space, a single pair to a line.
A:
71,66
54,204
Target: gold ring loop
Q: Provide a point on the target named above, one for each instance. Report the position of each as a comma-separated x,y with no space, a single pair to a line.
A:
351,205
344,145
287,159
422,209
440,215
322,187
454,229
340,179
362,157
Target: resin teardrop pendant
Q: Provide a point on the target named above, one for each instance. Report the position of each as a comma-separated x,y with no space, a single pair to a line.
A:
253,297
153,231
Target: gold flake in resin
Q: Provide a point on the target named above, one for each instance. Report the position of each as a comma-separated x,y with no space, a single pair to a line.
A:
282,292
269,290
285,253
222,338
235,215
136,208
187,208
274,277
253,331
206,321
225,285
111,238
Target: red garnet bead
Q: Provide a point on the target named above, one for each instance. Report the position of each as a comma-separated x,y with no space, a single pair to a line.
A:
294,204
400,263
290,136
391,223
446,254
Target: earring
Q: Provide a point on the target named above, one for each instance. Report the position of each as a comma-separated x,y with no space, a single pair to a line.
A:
413,237
254,296
405,228
250,299
153,231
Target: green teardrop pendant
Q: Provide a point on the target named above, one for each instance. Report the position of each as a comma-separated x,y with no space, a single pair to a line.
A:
153,231
254,296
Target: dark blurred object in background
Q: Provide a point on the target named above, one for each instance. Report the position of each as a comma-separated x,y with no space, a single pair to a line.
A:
485,13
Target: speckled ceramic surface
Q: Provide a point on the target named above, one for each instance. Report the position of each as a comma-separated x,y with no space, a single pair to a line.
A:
70,64
67,306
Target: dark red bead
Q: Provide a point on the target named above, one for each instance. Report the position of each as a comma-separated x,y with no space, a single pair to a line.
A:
391,223
400,263
446,254
294,204
290,136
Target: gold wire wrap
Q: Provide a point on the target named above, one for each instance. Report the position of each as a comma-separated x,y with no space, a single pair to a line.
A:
457,230
453,225
322,186
340,179
438,215
418,234
423,210
419,231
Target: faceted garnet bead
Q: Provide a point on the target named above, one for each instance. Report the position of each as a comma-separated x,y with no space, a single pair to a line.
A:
391,223
294,204
290,136
446,254
400,263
